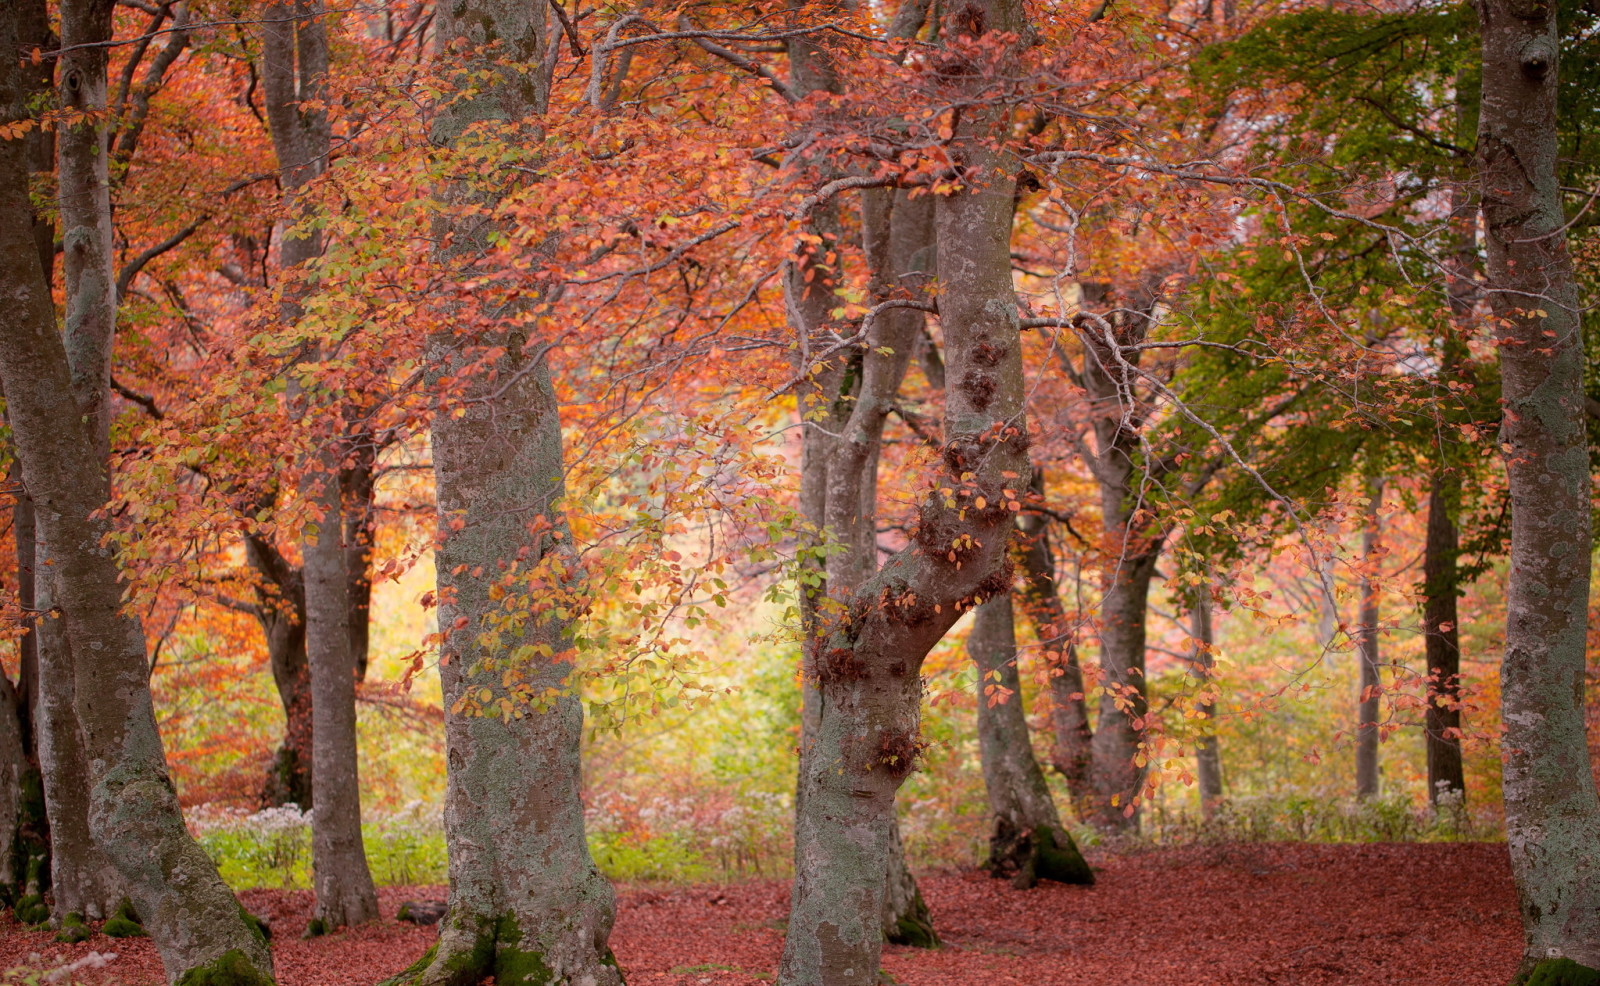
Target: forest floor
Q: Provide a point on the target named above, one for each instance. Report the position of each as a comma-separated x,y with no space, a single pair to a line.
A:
1290,914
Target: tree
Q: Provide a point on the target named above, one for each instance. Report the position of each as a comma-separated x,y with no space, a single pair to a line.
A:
1371,684
526,902
1026,842
867,677
133,813
1551,810
294,70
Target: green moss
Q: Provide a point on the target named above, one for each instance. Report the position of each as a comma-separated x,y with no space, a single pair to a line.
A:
515,967
415,969
123,923
257,927
1057,857
231,968
1562,972
31,910
315,928
73,929
915,926
404,914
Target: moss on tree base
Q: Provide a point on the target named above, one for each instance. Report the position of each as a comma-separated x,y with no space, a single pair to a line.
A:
32,911
915,926
231,968
123,923
74,930
494,952
1561,972
1056,857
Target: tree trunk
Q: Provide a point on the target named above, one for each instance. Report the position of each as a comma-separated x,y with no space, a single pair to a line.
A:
27,849
1552,814
358,480
527,904
867,676
280,609
1441,725
1371,688
192,916
1119,732
294,69
906,918
1207,751
1026,842
1072,752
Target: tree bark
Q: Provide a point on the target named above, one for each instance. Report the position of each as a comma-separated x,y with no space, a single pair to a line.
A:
1371,686
868,676
527,904
82,879
1207,749
1026,841
294,70
1551,811
191,915
1071,753
280,609
1442,644
906,917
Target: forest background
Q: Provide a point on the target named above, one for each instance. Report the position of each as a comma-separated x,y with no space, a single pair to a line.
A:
1269,209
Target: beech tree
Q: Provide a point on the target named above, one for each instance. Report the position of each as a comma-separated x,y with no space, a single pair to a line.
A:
1551,810
294,70
527,904
132,810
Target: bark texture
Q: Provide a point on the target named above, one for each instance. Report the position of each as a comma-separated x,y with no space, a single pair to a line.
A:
190,913
527,904
280,609
294,70
1207,751
1369,691
1441,622
867,675
1552,814
1071,752
1026,841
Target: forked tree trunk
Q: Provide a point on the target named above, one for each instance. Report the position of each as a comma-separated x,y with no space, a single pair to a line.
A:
527,905
1119,733
1371,685
1026,842
868,675
82,878
1207,749
294,69
1552,814
192,916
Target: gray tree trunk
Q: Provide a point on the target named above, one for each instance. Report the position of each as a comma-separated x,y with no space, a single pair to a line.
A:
1207,749
1072,752
527,904
1132,543
1370,690
280,609
82,879
1026,841
1552,814
1441,622
294,70
193,918
839,475
867,676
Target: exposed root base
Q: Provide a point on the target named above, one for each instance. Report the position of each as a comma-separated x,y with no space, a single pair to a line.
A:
1046,853
915,926
1559,972
231,968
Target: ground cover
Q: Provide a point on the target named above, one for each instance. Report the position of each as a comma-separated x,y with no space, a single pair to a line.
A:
1219,915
